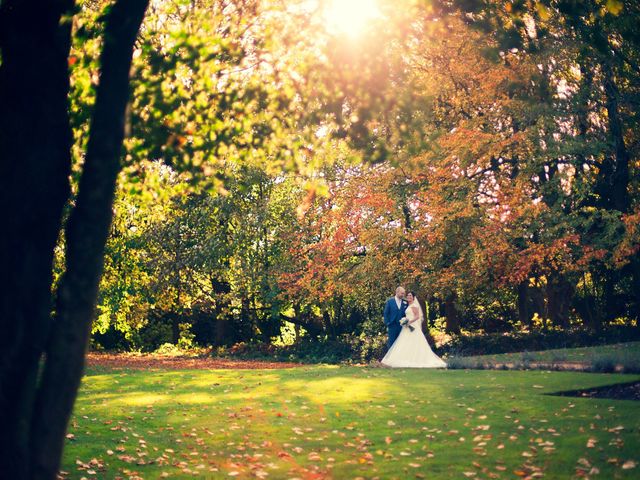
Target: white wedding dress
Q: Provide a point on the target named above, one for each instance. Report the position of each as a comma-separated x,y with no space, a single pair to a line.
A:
411,349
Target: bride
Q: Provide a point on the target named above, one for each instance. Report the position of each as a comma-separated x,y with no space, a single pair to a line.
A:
411,349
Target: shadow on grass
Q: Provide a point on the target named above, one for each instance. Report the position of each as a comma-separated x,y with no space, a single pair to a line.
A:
617,391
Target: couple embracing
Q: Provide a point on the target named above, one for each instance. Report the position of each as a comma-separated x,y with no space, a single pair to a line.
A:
408,346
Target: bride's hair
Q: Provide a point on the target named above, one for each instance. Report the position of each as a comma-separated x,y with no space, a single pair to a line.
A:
412,293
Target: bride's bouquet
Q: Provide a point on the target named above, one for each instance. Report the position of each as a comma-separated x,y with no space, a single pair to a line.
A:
405,323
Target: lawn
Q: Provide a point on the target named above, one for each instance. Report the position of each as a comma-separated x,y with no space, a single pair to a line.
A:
348,422
622,353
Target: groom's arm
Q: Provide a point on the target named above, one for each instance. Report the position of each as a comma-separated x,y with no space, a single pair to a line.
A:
386,314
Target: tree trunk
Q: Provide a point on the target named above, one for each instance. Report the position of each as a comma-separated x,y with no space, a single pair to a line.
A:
619,182
35,153
432,310
609,299
175,327
452,323
559,294
86,235
524,308
220,289
537,297
426,324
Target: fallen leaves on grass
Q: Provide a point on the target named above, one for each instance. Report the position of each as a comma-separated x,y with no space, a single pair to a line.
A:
149,362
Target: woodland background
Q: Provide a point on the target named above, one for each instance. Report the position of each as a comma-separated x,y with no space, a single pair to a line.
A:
499,180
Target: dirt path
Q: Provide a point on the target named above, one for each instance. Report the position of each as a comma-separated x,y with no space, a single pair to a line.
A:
150,362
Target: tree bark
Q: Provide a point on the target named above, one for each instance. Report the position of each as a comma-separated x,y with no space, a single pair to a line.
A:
35,153
86,235
524,308
559,292
618,181
452,323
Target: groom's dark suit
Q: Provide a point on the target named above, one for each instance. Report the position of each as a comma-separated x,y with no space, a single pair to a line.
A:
392,315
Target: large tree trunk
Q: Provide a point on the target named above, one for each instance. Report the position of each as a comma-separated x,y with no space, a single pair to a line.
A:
86,236
35,151
35,141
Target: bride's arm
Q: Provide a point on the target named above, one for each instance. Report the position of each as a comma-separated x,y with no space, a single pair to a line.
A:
416,313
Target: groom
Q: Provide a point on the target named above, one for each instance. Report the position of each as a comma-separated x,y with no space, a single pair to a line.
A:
394,311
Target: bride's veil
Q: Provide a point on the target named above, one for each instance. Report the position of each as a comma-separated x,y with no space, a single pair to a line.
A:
416,302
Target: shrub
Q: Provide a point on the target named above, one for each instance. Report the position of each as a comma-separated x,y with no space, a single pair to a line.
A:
346,348
111,339
153,335
168,349
487,344
603,364
631,366
461,363
559,357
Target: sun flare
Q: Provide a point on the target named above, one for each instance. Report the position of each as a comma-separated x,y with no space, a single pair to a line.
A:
350,17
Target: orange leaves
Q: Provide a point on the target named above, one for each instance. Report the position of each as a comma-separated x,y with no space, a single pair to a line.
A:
630,244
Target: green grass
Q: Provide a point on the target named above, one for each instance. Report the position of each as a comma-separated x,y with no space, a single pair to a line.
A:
622,353
348,422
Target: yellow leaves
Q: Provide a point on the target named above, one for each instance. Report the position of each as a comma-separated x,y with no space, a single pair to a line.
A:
543,11
614,7
629,464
